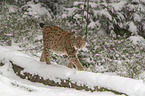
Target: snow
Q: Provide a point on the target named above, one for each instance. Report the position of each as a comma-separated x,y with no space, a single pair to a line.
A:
120,17
103,12
118,6
15,87
137,40
137,17
12,8
68,12
93,24
36,10
126,85
142,76
12,85
132,27
77,3
93,5
141,7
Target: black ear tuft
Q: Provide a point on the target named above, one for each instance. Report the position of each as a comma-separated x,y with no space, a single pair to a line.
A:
41,25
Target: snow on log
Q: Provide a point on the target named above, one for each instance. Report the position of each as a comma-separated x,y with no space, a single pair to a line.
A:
56,75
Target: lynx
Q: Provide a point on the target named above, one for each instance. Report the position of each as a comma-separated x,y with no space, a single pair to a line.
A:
58,40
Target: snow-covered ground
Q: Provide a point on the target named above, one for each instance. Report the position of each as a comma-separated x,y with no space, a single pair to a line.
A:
12,85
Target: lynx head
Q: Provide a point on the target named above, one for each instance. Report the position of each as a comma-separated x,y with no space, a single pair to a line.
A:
79,41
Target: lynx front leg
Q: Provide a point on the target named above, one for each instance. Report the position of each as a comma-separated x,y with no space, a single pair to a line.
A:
74,59
47,55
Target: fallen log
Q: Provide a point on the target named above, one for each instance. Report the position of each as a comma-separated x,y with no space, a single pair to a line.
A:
63,82
28,68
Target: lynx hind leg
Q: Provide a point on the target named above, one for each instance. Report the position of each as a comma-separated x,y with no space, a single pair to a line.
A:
42,59
70,65
46,55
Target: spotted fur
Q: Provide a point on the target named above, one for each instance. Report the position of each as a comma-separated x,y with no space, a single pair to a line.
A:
60,41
